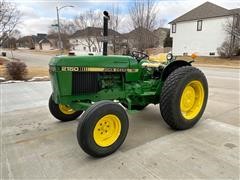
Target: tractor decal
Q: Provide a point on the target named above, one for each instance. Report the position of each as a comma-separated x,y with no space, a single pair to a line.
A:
96,69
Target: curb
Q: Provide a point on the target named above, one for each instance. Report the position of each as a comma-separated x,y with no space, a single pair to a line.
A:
217,66
5,58
34,79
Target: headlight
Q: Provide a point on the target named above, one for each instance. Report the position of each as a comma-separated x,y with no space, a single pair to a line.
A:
169,56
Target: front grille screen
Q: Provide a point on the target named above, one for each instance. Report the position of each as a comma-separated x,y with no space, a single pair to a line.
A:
85,82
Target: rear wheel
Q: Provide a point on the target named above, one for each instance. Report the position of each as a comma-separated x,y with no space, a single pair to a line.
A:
184,97
62,112
102,128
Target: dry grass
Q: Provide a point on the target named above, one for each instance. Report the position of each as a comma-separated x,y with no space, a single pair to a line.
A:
45,52
3,61
37,72
32,71
203,61
215,61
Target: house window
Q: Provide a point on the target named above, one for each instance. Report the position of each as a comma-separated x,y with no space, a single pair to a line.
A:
199,25
84,48
173,28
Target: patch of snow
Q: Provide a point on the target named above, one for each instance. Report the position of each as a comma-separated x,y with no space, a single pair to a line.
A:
2,79
12,81
44,78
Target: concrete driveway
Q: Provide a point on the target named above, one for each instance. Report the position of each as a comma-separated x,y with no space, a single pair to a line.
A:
35,145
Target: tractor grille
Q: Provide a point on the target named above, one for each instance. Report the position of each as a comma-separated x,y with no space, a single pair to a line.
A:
84,82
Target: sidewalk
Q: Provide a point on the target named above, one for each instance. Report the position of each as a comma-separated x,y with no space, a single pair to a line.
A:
216,66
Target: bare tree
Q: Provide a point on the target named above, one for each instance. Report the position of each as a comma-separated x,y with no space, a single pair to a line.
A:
11,41
67,29
16,34
231,46
90,22
89,18
114,25
9,18
232,27
143,14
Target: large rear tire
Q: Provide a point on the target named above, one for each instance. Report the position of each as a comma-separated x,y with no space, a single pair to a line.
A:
184,97
102,128
62,112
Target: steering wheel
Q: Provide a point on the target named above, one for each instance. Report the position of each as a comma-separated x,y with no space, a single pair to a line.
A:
138,55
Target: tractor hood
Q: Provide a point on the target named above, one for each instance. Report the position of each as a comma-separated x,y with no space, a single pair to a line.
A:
92,61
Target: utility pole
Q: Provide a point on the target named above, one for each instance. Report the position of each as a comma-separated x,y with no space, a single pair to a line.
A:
60,43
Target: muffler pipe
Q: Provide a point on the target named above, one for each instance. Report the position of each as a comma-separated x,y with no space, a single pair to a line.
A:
106,18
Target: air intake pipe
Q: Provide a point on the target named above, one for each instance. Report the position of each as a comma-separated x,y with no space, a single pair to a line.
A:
106,18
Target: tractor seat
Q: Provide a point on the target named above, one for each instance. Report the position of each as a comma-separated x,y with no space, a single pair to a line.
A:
162,57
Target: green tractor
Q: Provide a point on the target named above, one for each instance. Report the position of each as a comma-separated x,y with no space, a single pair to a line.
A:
101,88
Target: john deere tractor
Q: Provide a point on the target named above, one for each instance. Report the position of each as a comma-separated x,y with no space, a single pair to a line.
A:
102,88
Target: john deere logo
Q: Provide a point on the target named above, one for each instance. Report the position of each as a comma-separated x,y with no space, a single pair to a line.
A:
115,70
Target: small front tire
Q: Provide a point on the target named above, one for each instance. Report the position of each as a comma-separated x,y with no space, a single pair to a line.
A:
62,112
102,128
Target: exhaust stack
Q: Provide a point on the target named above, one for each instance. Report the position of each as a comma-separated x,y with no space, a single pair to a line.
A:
106,18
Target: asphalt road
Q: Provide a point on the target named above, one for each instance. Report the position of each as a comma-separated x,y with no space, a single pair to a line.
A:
35,145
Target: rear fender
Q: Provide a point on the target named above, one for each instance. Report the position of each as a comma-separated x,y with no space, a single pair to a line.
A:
172,67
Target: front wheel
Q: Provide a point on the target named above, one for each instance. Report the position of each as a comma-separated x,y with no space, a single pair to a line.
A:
102,128
184,97
62,112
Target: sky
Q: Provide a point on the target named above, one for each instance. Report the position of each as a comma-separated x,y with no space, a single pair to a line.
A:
38,15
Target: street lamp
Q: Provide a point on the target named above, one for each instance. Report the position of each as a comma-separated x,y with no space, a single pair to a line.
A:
60,43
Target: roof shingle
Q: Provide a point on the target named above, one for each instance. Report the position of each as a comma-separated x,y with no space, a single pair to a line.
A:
206,10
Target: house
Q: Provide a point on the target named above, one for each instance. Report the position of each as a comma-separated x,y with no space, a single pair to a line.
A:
144,39
26,42
54,40
44,44
90,40
141,38
38,42
202,30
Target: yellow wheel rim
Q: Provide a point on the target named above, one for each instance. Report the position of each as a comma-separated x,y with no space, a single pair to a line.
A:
66,109
192,100
107,130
